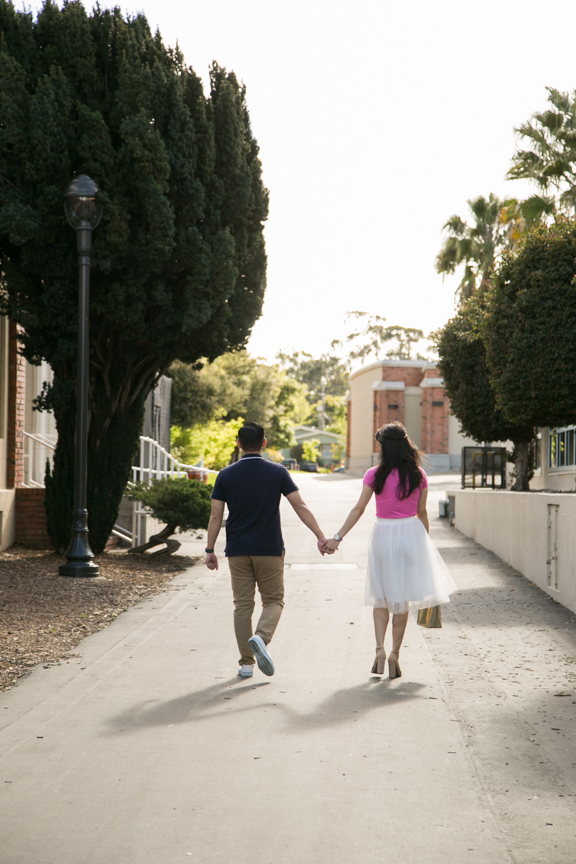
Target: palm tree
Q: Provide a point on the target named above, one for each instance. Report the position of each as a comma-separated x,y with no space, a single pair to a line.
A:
550,157
477,245
496,226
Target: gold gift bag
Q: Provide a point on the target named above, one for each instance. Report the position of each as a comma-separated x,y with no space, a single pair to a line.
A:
431,617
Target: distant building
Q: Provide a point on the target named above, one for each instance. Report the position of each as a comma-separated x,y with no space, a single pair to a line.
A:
329,441
555,460
412,392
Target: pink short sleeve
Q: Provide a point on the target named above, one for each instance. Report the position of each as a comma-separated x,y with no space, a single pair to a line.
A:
369,477
424,484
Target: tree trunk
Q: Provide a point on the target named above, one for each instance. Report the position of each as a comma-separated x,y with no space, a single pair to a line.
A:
522,467
161,539
113,436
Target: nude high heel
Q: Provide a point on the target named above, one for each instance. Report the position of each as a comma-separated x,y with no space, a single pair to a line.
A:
378,667
394,670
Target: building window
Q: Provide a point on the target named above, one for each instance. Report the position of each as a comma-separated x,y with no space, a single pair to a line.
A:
561,451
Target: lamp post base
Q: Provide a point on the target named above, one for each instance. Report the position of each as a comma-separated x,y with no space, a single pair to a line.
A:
80,569
79,556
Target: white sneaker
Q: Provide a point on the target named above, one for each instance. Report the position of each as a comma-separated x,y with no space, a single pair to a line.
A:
263,658
246,671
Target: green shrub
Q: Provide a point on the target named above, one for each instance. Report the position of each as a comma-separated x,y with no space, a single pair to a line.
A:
180,503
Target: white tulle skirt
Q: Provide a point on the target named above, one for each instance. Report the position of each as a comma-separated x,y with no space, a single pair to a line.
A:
405,570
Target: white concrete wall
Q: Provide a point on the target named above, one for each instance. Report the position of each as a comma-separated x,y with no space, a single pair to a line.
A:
514,525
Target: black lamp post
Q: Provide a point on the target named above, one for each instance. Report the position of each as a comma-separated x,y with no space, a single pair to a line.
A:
83,212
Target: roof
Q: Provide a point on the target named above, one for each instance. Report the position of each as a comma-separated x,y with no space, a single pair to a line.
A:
303,432
410,364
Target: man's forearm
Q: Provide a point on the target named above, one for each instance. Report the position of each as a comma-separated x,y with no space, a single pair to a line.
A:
307,517
214,526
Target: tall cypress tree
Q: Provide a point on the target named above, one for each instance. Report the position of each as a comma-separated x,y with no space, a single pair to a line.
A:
179,263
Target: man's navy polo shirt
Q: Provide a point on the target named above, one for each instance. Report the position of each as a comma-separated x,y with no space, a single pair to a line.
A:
252,489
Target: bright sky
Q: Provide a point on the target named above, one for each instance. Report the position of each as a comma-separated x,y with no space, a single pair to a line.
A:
376,120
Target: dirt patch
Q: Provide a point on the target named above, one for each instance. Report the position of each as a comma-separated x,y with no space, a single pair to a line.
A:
43,616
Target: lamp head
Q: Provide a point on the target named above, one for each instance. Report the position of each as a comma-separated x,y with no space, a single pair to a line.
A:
80,204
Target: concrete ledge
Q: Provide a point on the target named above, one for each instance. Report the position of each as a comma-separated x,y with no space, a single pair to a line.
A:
534,532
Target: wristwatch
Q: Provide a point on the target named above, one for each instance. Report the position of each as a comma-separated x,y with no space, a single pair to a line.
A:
338,538
209,551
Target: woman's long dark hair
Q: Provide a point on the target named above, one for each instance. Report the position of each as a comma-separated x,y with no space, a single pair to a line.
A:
397,450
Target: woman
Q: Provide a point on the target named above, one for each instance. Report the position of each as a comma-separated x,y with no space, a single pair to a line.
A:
405,570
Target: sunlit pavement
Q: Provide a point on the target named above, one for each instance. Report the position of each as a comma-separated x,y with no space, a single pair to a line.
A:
148,748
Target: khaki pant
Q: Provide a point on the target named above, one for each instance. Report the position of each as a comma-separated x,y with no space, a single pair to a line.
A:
247,571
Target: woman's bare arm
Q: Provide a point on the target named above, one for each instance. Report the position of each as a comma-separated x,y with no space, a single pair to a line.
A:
422,513
352,518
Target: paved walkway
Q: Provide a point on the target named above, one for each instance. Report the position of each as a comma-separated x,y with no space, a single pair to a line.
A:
146,749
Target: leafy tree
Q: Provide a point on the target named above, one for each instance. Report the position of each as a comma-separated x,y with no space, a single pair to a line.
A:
311,450
194,398
179,260
313,371
213,442
549,154
238,385
531,334
462,364
336,409
377,341
290,408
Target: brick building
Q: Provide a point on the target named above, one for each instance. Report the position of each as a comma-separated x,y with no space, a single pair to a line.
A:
412,392
26,441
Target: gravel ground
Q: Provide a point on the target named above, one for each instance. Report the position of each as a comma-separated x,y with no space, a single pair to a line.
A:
43,616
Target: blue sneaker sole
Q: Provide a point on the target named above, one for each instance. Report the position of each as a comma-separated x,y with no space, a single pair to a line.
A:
263,659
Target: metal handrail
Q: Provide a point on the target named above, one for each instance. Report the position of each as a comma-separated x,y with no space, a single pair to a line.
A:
40,439
33,469
156,464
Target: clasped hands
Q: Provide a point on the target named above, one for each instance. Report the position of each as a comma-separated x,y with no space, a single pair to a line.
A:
327,547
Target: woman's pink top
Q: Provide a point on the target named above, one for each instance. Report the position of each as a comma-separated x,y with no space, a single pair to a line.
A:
388,506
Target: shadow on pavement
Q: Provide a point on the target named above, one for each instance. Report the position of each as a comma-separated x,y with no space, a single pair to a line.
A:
342,706
349,704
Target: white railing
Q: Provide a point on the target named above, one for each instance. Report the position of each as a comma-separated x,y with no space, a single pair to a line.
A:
155,464
38,449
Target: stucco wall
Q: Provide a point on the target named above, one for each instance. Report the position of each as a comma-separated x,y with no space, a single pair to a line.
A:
413,413
515,526
362,412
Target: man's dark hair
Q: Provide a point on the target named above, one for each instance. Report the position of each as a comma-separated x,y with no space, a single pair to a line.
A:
251,436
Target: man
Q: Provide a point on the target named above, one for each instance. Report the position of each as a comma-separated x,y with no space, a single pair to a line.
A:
252,489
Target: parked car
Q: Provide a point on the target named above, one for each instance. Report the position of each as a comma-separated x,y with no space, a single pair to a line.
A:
291,464
309,466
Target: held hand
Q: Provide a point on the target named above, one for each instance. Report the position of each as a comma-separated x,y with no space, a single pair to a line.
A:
331,546
321,545
211,561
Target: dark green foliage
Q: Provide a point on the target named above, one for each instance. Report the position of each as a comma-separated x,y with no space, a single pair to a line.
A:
194,396
462,364
531,337
178,261
180,503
